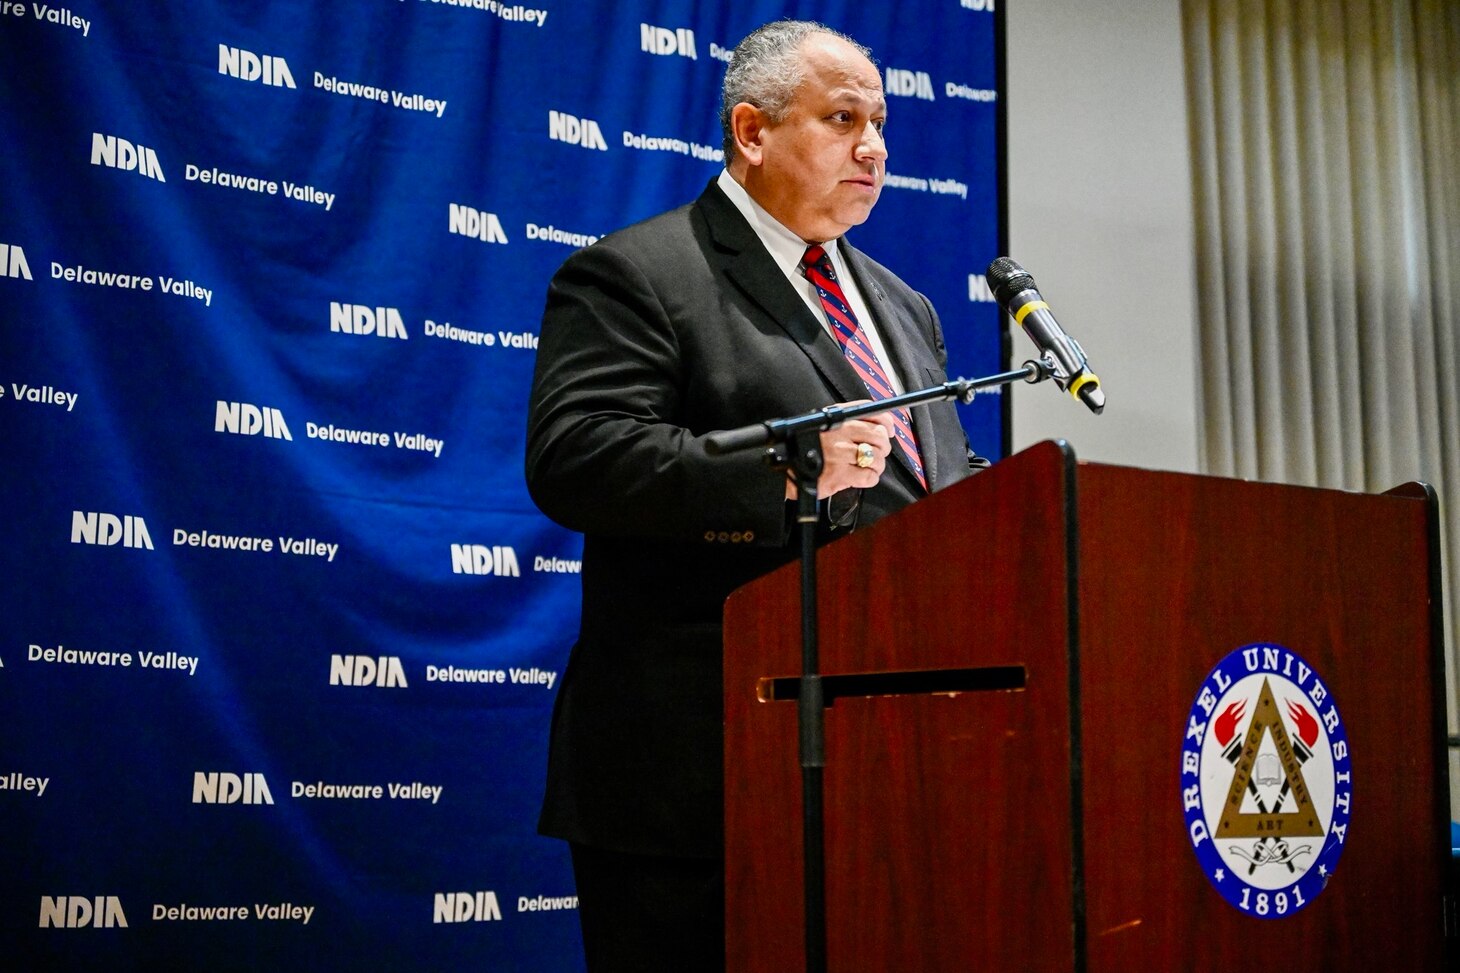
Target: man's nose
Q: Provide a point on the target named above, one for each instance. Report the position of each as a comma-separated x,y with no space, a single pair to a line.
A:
871,145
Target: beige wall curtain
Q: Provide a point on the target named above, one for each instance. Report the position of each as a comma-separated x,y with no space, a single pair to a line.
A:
1326,155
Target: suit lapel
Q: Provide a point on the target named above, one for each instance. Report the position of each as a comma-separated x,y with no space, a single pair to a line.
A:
750,267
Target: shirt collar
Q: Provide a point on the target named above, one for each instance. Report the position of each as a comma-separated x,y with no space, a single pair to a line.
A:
786,248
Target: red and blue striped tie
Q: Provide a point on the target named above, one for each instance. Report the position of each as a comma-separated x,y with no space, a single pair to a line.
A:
859,353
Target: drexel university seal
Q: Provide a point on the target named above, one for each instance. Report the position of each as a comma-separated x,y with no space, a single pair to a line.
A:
1266,780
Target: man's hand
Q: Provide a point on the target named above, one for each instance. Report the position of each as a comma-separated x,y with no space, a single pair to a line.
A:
855,455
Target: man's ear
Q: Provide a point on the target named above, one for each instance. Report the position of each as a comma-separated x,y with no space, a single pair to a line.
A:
748,123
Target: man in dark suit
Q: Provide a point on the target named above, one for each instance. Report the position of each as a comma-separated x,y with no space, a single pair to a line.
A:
712,317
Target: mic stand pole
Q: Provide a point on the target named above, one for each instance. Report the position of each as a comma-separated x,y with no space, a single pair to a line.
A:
806,461
795,444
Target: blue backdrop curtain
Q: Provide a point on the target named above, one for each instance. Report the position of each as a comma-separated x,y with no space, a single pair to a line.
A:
280,628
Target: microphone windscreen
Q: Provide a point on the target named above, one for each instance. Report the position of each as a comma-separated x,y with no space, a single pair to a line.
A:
1006,278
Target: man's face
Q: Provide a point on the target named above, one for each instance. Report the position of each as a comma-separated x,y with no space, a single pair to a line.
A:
820,170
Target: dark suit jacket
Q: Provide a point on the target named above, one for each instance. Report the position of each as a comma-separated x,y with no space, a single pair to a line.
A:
652,338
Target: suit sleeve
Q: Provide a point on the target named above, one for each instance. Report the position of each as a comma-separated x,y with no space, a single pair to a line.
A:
607,452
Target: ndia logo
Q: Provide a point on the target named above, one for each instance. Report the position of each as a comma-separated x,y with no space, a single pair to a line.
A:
246,419
106,530
585,132
385,671
108,150
468,221
662,40
909,84
81,911
480,559
466,907
978,289
248,66
13,262
225,788
383,322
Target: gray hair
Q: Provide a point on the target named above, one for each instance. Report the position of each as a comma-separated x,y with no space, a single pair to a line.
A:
766,70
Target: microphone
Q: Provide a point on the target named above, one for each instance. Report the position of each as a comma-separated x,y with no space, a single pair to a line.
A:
1014,289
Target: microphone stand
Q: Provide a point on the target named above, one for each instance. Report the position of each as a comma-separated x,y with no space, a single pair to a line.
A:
794,443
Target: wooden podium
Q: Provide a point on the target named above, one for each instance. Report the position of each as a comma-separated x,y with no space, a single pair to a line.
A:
1012,670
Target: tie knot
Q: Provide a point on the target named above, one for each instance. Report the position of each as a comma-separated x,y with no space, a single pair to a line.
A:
816,256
